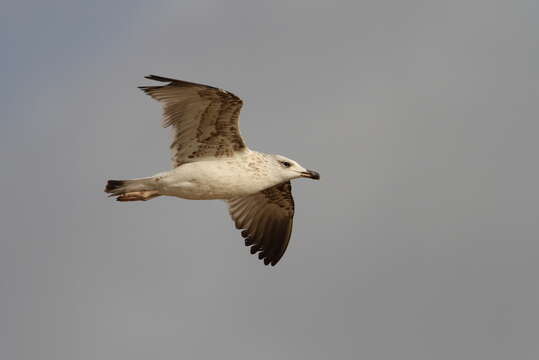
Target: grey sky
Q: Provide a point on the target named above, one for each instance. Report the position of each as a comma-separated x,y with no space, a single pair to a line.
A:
419,242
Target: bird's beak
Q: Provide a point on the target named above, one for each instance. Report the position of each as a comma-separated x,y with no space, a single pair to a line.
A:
311,174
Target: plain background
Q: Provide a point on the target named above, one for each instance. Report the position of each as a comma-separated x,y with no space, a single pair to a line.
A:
419,242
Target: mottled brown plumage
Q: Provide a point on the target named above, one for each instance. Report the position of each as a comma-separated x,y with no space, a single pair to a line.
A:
204,119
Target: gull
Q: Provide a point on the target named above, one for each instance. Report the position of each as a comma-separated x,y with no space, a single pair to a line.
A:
211,161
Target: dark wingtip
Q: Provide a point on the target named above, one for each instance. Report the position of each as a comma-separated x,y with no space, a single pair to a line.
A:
274,261
147,89
158,78
174,82
269,256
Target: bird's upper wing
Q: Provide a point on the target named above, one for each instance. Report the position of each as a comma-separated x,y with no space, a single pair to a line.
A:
204,118
266,218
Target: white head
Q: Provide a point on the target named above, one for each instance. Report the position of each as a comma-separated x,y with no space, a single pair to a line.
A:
289,169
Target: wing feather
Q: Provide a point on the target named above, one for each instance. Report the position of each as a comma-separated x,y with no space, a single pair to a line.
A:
266,219
205,119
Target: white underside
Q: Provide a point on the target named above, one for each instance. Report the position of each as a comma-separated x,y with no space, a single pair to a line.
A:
217,179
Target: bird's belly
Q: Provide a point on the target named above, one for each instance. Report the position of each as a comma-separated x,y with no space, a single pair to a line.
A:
200,183
195,190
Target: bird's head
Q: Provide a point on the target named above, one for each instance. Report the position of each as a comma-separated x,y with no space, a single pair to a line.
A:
290,169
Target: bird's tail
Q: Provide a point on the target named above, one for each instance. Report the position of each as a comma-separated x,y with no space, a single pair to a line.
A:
132,190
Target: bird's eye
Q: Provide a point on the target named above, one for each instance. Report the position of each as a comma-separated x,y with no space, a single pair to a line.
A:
286,164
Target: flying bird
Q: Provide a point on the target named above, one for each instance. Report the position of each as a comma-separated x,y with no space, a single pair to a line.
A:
211,161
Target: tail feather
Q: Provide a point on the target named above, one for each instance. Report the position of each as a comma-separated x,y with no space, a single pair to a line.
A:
130,190
113,185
